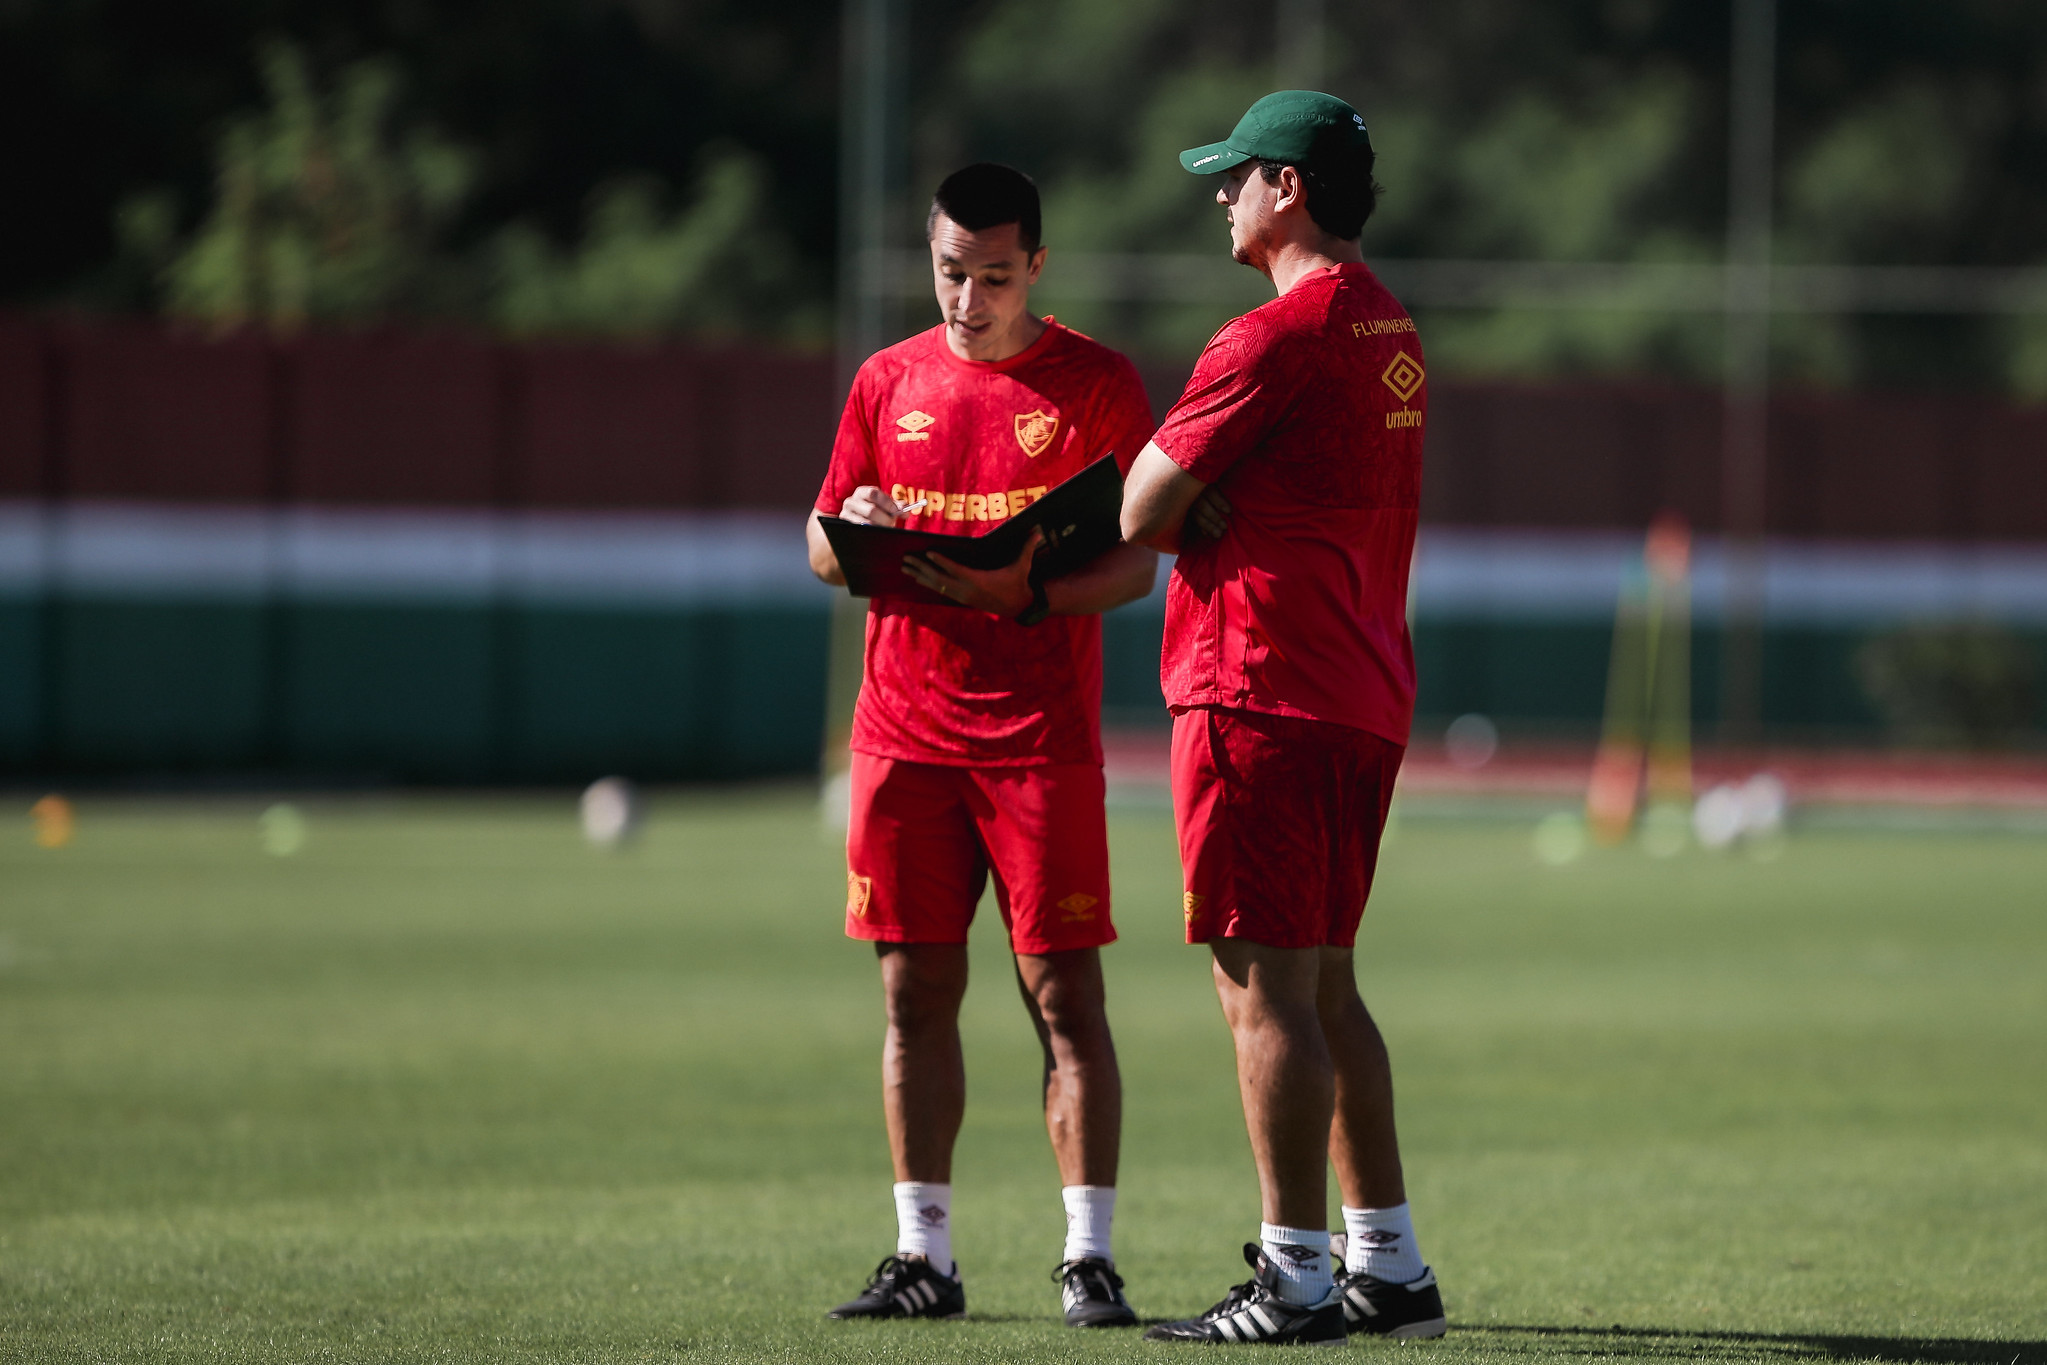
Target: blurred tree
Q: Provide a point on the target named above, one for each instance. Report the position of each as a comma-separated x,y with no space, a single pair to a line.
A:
1944,685
719,265
1577,130
554,97
323,209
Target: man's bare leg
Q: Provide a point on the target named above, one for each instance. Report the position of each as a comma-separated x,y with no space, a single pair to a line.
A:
1084,1118
923,1097
1284,1072
1363,1144
923,1074
1082,1087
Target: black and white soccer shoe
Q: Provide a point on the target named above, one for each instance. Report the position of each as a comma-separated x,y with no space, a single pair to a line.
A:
1093,1293
906,1287
1410,1311
1252,1312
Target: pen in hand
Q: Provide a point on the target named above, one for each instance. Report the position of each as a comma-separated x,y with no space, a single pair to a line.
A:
913,508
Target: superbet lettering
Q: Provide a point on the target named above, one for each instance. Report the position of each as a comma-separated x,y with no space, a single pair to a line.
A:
967,506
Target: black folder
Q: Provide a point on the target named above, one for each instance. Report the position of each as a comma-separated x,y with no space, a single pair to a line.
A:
1081,519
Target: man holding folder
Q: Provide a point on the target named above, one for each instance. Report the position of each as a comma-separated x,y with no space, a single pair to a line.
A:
976,740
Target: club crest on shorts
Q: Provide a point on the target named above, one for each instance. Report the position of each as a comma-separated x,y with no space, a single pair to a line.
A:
1034,431
1077,908
859,891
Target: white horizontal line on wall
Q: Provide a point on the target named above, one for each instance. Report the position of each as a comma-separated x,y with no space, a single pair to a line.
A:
375,555
740,559
1575,575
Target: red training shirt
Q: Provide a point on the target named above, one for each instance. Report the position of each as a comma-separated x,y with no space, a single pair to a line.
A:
981,439
1308,411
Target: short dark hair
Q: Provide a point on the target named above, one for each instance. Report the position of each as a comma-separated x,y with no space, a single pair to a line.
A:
1341,193
985,195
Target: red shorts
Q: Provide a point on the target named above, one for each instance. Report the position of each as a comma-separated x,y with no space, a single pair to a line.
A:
1279,823
924,836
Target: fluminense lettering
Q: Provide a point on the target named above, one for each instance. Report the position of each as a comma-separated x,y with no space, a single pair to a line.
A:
1381,327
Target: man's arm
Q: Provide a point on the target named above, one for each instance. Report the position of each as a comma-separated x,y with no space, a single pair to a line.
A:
1159,498
1124,574
869,506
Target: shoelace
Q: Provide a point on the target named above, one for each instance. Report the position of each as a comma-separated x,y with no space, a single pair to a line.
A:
1239,1295
1065,1268
891,1269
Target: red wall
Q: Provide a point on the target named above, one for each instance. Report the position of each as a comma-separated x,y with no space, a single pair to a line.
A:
137,410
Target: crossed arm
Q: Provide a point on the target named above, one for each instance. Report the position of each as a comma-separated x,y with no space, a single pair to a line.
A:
1165,506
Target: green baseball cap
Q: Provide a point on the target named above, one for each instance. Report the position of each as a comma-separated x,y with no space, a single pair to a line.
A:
1299,127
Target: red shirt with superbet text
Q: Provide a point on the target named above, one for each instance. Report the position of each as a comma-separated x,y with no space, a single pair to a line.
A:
1308,413
981,440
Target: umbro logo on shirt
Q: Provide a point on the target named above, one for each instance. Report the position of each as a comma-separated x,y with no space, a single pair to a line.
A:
1403,375
913,424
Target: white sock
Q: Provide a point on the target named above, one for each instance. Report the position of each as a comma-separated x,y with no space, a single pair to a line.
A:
1381,1244
1090,1210
1301,1258
924,1223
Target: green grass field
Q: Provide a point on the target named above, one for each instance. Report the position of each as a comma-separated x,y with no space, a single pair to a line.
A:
449,1085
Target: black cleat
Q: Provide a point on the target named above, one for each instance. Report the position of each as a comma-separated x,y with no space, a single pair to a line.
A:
1093,1292
1407,1311
1251,1312
906,1287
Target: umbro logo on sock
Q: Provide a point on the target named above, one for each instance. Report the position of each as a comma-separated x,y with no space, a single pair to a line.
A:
1299,1255
931,1216
1380,1239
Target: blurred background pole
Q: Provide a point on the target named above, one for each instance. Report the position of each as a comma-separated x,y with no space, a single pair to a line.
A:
871,153
872,150
1745,445
1303,31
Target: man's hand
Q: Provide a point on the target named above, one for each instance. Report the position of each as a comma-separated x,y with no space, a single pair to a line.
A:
1209,517
870,506
1163,504
1005,591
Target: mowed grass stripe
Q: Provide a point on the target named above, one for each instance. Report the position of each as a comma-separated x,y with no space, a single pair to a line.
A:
449,1085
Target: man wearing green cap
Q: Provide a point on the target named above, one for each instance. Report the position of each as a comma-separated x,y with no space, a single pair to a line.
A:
1288,478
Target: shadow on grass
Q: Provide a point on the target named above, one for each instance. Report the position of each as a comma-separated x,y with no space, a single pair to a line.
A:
1616,1340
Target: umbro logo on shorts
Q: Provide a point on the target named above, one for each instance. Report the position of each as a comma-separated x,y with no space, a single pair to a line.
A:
1078,907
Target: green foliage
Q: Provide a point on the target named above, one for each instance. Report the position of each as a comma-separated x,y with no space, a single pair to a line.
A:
329,206
1579,131
718,265
1942,685
324,208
